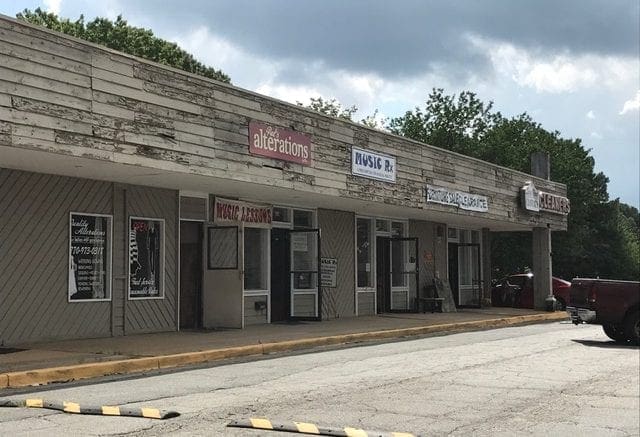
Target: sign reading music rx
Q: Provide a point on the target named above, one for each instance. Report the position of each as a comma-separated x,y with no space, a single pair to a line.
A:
373,165
279,143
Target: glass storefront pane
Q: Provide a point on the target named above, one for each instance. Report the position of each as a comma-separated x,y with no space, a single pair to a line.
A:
397,229
305,281
255,259
398,263
363,246
302,219
281,215
382,225
303,246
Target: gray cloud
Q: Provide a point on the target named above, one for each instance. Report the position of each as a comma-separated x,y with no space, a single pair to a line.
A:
406,37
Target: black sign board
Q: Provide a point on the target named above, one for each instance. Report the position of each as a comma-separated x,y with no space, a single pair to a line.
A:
89,256
145,261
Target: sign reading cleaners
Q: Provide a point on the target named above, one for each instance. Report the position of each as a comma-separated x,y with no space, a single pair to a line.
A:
145,257
89,255
373,165
279,143
467,201
226,211
535,200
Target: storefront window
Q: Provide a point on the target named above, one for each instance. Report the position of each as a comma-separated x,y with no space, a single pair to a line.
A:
255,258
302,219
281,215
146,258
397,229
305,260
364,253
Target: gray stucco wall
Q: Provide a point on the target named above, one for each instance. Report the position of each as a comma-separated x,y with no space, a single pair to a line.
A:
34,257
337,241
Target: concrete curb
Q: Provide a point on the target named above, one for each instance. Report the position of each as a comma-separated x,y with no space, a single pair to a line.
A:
137,365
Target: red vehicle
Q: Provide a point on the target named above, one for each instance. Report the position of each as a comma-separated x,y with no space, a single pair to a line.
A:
517,291
613,304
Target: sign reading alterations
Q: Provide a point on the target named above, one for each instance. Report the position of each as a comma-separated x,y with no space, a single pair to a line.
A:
278,143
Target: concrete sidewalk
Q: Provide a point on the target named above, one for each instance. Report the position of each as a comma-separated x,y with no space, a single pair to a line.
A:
59,361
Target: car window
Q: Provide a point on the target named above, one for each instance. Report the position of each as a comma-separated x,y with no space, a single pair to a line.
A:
517,280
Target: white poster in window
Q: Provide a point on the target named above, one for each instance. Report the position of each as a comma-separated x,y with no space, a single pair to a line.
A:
299,242
145,257
89,257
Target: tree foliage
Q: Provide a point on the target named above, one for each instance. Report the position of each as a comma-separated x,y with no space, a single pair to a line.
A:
119,35
602,237
334,108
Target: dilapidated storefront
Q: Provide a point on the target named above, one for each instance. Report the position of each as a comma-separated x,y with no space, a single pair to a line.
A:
138,198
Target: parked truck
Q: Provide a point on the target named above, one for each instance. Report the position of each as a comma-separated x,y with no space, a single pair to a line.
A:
613,304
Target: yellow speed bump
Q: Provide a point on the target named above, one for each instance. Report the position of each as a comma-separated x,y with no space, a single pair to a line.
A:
310,428
76,408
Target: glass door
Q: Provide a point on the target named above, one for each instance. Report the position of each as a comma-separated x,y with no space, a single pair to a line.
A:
306,298
470,284
404,272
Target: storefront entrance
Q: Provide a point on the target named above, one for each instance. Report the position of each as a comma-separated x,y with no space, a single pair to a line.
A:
190,275
396,273
280,281
295,257
465,267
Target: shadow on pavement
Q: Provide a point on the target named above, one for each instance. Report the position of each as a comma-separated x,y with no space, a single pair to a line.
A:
606,344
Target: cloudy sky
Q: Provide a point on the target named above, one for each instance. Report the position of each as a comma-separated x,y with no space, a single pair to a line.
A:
573,65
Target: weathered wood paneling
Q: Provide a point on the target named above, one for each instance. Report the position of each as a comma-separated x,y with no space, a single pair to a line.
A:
109,106
34,230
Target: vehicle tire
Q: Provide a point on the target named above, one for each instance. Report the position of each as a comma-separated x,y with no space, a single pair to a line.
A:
632,327
614,332
560,305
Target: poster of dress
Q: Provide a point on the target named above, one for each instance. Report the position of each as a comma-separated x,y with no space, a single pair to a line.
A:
145,261
89,238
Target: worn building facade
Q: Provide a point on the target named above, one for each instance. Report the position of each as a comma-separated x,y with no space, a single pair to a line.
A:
138,198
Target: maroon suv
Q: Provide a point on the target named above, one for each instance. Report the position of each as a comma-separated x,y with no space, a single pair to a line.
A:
517,291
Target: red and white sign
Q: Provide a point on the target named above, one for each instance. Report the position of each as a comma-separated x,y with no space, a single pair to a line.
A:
227,211
279,143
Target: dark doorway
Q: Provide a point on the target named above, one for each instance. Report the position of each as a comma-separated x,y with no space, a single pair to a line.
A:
280,276
190,275
383,275
453,272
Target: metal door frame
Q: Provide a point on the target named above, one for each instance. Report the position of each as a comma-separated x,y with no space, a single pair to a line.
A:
474,282
416,272
292,272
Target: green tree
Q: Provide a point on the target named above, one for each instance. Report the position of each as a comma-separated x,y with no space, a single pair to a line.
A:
119,35
334,108
602,235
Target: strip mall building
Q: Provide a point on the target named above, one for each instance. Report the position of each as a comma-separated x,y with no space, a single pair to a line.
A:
139,198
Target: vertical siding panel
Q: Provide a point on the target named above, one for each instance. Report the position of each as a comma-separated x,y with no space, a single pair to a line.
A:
34,217
337,241
148,315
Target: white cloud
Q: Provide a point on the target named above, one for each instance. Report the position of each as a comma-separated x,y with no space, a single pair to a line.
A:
591,115
555,73
596,135
631,105
52,6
